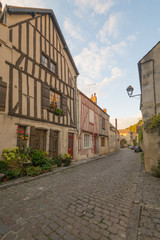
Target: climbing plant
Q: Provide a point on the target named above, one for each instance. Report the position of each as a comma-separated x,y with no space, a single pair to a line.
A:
152,123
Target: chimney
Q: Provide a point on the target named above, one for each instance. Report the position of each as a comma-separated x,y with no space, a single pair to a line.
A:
105,110
116,123
0,8
94,98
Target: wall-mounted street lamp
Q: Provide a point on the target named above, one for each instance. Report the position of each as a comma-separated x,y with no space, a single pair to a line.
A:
130,92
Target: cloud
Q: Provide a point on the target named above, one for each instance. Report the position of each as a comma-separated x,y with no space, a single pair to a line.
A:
26,3
70,29
93,61
98,6
111,27
132,38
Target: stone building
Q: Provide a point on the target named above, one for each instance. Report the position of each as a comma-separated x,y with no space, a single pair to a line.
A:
149,76
114,138
37,81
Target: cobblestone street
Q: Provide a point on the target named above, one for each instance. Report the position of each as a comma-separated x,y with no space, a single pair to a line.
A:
96,200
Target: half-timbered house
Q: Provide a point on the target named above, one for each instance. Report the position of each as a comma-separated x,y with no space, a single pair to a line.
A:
37,81
88,145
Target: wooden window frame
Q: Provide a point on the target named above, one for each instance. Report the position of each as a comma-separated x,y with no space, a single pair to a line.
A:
49,62
55,92
102,141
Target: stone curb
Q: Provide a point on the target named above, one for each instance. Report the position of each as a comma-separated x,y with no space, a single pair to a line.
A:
57,170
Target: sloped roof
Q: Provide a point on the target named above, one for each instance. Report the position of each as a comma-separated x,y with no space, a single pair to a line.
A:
33,11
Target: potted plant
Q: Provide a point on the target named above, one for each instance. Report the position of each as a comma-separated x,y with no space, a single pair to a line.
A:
19,132
58,111
26,136
52,107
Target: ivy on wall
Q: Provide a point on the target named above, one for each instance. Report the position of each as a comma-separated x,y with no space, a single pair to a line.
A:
152,123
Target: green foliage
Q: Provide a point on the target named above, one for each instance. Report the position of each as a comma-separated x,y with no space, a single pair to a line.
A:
133,128
26,155
66,161
156,170
58,161
33,171
142,156
38,157
152,123
58,111
124,141
14,173
3,166
140,135
47,167
10,155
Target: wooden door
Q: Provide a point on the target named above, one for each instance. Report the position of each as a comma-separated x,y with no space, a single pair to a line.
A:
53,143
70,143
38,139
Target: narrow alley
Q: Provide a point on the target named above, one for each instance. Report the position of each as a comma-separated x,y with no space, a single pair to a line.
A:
108,198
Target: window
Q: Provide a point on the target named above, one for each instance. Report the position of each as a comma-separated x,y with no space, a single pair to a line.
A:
102,141
91,116
48,63
44,61
53,67
103,123
86,140
55,99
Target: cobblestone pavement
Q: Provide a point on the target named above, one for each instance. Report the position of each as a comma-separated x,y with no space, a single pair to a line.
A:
149,221
90,201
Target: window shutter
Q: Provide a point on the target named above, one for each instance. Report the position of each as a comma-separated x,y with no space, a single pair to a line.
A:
64,105
45,96
3,90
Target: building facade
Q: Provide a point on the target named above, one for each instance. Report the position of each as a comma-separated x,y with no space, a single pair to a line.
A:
149,76
37,81
114,139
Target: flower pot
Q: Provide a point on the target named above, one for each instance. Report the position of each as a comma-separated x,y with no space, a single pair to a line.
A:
19,136
5,179
26,138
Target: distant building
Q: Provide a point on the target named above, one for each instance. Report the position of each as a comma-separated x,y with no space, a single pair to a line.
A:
125,134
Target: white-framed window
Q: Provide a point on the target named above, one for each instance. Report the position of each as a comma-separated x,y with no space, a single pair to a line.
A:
91,116
86,140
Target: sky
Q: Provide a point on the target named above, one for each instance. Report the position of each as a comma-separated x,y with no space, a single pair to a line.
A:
107,38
